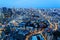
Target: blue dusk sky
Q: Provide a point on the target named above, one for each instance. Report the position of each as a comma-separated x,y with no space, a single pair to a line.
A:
30,3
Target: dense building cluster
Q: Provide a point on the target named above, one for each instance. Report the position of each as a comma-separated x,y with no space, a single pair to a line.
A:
17,23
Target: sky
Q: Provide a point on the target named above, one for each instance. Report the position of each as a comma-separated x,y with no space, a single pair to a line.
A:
30,3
